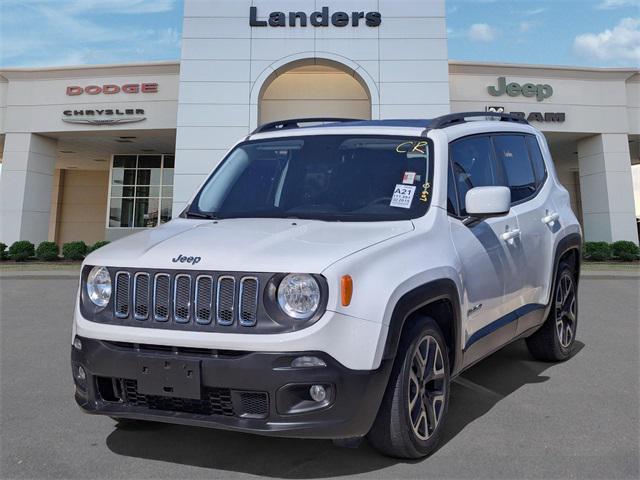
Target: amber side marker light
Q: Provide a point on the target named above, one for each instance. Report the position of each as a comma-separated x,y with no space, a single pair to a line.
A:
346,288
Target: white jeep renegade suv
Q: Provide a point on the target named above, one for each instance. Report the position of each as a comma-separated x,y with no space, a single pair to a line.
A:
328,281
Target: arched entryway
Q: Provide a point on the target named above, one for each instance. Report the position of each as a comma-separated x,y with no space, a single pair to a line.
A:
312,89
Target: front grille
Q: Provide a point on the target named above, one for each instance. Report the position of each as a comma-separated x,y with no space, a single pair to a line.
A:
204,299
187,298
248,301
226,300
214,401
122,302
162,291
141,295
182,298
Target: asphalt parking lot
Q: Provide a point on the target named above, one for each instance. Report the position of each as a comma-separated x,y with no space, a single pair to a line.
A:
510,417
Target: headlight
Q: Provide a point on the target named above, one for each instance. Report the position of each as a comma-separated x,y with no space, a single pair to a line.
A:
299,295
99,286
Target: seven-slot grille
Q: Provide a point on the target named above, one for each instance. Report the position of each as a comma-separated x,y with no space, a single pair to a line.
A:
184,297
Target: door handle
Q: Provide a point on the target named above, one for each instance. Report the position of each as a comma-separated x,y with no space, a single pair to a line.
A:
511,235
551,218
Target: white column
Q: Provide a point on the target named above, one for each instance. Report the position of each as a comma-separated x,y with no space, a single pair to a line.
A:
607,188
26,186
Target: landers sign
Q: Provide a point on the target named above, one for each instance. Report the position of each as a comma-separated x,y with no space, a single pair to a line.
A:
321,18
104,116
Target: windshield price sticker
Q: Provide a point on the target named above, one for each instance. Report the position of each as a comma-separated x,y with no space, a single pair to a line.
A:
409,178
403,196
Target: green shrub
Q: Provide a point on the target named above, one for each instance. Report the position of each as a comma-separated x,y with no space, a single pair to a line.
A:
625,251
97,245
3,251
74,250
597,251
47,251
21,250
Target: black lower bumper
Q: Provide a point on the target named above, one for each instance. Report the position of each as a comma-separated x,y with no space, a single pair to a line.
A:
244,391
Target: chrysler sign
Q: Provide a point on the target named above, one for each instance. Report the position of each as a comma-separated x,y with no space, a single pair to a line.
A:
104,116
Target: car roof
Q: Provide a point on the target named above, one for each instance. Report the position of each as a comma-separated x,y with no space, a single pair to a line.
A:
401,127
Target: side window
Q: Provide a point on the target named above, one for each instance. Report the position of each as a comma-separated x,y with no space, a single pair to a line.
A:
452,196
537,159
473,165
513,154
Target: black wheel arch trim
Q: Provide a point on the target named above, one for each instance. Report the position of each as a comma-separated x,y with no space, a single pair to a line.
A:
573,241
420,297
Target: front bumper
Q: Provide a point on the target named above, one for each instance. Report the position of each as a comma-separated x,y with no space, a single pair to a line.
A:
252,392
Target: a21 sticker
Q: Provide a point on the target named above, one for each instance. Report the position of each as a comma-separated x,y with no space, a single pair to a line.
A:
403,196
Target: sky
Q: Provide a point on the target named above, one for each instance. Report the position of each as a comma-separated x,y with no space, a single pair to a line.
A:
562,32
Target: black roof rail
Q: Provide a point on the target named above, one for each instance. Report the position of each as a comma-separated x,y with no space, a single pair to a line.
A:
456,118
297,123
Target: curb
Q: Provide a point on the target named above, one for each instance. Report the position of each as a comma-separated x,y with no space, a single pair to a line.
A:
32,275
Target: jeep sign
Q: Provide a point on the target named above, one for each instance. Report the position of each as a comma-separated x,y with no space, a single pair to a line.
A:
541,92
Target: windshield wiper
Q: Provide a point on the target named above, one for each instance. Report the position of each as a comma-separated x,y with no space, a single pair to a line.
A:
205,216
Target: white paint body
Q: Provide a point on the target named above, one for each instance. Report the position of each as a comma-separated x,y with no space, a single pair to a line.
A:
384,259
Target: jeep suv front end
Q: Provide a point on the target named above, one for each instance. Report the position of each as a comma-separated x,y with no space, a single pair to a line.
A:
228,317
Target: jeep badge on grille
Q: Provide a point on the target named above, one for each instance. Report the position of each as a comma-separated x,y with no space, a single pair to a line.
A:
183,259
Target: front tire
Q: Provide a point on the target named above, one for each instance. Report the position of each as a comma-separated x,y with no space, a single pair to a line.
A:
554,341
410,420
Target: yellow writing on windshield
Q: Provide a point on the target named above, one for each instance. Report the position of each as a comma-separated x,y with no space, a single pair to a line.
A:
412,147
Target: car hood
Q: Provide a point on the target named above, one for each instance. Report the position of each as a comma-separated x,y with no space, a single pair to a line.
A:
249,245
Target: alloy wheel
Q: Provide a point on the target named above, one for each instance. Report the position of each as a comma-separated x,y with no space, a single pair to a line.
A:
426,387
566,310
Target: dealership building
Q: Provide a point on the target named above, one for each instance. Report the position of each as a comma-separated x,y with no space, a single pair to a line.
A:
98,152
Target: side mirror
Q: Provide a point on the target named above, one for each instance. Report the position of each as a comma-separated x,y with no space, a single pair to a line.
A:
487,202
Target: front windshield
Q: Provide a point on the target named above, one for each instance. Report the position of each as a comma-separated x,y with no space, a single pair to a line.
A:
321,177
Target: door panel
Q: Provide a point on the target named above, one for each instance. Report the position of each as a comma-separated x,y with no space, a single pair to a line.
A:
490,268
540,223
490,252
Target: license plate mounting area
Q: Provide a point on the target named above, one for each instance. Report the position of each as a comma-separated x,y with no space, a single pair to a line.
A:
169,377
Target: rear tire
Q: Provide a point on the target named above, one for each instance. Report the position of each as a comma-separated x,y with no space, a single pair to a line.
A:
555,339
411,418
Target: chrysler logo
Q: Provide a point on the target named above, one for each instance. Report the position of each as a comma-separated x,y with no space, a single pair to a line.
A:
107,116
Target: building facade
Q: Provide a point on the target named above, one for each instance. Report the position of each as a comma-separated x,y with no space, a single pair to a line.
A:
93,153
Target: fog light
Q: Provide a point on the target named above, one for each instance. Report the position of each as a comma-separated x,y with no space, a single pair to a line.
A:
318,393
77,343
82,375
308,362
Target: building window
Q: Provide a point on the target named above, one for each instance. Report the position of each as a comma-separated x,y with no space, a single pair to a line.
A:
141,190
